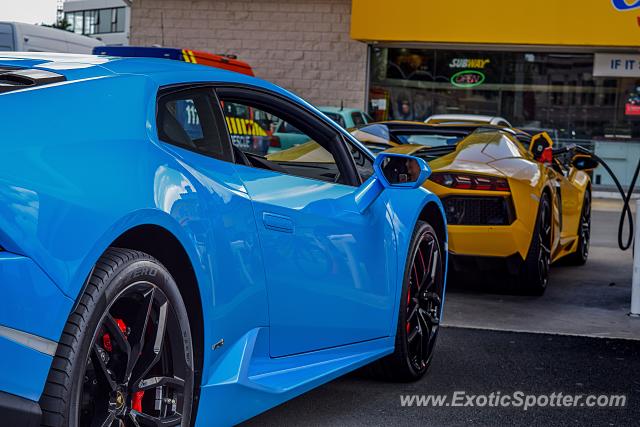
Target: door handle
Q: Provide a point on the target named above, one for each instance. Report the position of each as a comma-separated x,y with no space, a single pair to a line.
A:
277,222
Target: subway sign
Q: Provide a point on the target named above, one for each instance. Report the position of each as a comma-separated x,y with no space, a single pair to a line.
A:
472,74
479,63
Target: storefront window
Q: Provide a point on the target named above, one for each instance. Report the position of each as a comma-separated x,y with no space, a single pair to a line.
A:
556,92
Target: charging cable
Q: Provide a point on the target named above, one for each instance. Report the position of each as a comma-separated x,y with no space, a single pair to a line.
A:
626,197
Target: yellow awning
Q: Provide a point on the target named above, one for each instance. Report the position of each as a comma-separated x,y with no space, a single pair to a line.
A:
538,22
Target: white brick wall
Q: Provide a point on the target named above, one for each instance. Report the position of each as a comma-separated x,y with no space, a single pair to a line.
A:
302,45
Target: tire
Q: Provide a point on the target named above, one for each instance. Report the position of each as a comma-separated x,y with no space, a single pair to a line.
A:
106,365
579,257
533,276
420,310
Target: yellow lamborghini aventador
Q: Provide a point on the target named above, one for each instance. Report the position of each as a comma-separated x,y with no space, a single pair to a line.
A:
509,200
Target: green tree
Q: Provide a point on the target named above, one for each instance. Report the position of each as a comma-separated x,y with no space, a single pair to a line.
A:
61,24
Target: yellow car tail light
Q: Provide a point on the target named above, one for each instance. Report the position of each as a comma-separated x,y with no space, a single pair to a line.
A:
465,181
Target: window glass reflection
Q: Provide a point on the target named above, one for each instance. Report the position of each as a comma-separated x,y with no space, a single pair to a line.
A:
555,92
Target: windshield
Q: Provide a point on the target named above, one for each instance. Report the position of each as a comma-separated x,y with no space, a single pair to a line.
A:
6,37
373,133
429,140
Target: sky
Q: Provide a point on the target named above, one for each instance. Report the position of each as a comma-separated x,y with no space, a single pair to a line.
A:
29,11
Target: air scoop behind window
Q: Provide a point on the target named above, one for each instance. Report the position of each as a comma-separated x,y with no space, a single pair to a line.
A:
14,79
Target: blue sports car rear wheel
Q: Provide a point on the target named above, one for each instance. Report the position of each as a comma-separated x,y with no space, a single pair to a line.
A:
420,309
126,355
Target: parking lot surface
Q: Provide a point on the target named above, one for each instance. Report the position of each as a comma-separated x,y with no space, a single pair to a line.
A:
486,346
592,300
481,362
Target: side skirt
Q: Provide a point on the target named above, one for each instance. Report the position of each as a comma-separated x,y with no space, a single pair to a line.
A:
246,381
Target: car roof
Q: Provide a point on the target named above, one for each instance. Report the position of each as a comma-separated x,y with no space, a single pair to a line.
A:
163,72
75,66
44,31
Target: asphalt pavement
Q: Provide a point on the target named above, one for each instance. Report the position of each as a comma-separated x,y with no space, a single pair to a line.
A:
481,362
565,341
591,300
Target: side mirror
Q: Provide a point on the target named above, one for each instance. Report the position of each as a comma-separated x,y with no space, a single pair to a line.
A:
539,143
584,162
392,170
401,170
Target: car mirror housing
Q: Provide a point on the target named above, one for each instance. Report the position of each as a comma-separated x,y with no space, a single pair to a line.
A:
392,171
584,162
401,170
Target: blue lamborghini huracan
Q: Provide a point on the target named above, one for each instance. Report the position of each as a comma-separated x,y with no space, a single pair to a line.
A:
156,271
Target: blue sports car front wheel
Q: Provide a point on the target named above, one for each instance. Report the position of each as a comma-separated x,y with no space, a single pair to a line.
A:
125,357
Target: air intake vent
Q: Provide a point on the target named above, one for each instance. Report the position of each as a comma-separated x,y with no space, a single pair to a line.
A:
9,79
14,79
473,210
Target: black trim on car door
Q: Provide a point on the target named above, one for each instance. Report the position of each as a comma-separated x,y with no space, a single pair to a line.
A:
310,124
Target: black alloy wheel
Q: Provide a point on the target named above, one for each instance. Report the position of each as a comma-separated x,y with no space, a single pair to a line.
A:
544,245
420,309
135,370
125,357
424,301
580,256
533,276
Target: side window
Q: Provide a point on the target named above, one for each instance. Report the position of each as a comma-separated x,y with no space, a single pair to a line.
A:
187,119
282,142
250,129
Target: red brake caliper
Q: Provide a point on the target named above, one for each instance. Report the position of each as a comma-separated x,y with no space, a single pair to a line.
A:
408,325
136,399
409,290
106,338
